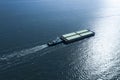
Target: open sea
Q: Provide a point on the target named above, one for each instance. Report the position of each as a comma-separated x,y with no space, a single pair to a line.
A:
27,25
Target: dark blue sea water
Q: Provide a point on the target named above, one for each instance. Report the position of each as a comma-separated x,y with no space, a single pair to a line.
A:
27,25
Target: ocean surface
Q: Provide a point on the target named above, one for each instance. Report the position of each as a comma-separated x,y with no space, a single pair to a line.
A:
27,25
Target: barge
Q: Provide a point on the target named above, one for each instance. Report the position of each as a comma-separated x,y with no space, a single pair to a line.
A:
72,37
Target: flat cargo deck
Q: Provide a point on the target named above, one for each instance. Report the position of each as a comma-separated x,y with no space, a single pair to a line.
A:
78,35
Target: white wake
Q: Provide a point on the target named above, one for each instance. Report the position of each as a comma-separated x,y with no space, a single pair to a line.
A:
23,52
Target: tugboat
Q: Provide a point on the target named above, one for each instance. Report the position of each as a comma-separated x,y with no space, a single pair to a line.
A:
55,42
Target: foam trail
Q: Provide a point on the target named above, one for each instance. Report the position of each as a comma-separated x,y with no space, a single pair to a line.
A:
24,52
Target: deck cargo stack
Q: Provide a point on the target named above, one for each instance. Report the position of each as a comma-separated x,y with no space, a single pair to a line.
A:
74,36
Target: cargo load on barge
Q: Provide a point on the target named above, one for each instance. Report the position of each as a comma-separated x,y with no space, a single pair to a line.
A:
72,37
